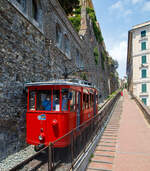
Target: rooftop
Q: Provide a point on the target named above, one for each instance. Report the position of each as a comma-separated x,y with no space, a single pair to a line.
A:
141,25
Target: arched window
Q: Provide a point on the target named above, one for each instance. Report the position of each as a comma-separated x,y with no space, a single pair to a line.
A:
22,4
58,36
37,11
66,46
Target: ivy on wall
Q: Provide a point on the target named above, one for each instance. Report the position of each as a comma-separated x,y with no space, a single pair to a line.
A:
83,76
69,5
96,29
103,59
76,18
96,55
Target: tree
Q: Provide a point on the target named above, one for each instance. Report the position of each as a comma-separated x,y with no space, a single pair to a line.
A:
69,5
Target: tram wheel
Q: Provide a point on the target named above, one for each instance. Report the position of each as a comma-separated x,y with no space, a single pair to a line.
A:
36,148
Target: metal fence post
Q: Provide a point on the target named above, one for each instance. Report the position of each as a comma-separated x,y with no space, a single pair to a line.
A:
50,167
72,151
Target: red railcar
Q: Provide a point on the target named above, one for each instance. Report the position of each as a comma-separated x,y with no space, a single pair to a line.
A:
56,107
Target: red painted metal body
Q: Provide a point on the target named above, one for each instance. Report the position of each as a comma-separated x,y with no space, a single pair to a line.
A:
44,126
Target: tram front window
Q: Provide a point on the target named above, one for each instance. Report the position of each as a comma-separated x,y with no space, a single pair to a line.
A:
65,101
44,100
32,100
56,100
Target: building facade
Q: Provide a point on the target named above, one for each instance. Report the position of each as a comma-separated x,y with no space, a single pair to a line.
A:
138,62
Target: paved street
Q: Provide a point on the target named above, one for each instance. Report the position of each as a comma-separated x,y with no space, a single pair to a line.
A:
131,137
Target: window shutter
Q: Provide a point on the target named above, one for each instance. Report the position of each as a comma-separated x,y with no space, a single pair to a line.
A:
144,73
144,88
144,100
143,46
143,59
143,33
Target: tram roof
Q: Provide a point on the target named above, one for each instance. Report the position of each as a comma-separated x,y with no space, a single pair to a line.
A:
81,83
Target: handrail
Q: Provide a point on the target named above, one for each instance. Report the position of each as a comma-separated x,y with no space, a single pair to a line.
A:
144,108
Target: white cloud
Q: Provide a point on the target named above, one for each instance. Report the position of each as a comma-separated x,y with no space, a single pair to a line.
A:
127,12
136,1
146,6
119,53
117,5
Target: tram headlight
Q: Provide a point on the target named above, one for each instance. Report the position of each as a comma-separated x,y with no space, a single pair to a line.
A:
40,137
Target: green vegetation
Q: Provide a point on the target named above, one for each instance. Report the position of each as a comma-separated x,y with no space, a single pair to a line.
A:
69,5
96,29
76,19
96,55
83,76
103,59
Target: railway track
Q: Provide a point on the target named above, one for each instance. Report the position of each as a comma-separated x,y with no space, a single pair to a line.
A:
37,161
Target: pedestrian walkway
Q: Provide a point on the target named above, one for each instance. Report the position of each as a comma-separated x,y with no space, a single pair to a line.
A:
128,139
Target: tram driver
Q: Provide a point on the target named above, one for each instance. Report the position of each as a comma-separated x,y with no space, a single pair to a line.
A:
47,103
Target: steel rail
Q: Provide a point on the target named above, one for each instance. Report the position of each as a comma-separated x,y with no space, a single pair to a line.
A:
23,163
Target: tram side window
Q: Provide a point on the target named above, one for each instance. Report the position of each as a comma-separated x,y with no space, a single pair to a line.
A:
56,99
91,100
44,100
65,101
84,101
87,102
73,102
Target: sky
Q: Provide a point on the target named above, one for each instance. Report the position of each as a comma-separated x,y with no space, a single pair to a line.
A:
116,18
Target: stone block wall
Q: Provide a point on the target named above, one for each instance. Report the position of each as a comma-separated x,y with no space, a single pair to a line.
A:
29,53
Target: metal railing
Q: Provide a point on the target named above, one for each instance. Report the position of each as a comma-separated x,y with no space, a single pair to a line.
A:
143,107
76,141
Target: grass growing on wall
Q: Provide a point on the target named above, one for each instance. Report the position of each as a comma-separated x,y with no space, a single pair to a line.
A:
103,58
96,54
97,31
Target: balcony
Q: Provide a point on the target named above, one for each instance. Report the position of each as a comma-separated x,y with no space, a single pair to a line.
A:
144,66
145,38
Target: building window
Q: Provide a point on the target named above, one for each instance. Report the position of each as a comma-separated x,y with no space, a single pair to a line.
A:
143,33
58,36
144,100
20,3
66,46
144,59
37,11
143,46
144,73
144,88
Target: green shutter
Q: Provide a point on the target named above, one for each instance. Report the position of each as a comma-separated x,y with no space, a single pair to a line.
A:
143,33
143,45
143,59
144,73
144,100
144,88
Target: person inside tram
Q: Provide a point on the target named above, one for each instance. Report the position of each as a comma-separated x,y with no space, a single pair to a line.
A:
47,103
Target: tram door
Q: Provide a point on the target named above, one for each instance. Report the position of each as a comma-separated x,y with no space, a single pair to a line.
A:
78,108
94,103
